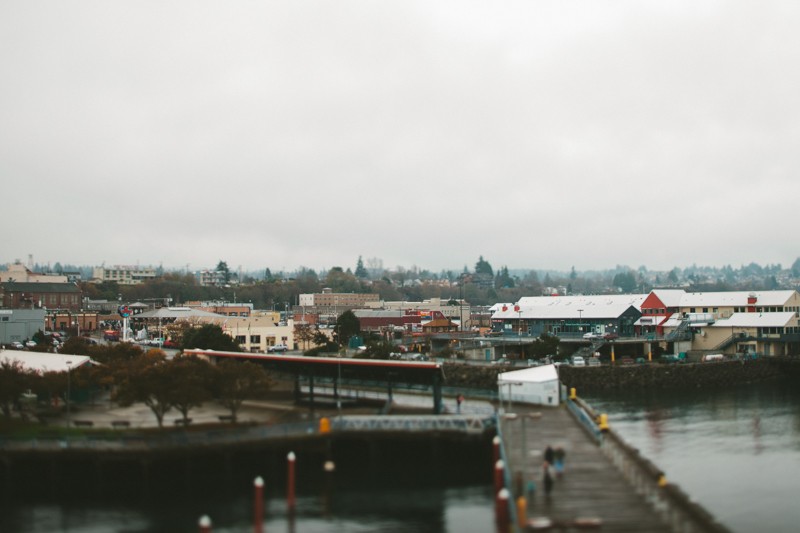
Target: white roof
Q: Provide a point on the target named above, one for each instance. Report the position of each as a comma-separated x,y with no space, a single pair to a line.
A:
735,298
178,312
534,374
44,361
757,320
670,297
584,307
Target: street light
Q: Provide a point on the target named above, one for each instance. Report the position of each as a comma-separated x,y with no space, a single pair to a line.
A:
69,367
511,384
580,320
339,384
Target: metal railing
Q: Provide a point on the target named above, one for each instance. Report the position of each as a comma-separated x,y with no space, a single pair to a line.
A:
420,423
248,434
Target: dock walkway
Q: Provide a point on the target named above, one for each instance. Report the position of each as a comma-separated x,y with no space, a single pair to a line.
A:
592,487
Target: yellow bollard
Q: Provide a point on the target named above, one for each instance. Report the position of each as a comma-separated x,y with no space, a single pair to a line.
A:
603,425
572,394
662,480
522,510
324,425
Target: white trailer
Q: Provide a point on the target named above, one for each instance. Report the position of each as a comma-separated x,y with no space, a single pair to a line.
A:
537,385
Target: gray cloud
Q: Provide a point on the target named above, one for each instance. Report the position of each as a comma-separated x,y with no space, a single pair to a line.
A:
539,135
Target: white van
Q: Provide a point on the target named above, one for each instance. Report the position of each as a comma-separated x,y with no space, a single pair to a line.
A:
578,361
712,357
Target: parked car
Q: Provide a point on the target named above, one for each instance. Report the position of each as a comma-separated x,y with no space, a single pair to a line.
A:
610,336
626,361
277,348
592,335
17,345
593,361
672,358
31,344
578,361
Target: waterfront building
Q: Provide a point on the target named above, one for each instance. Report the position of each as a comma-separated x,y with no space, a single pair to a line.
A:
568,316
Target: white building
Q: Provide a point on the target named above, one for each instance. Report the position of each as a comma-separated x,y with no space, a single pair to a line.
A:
537,385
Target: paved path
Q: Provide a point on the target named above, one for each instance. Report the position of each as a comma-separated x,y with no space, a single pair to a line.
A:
591,486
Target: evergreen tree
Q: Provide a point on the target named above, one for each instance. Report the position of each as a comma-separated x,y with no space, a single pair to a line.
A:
483,267
361,272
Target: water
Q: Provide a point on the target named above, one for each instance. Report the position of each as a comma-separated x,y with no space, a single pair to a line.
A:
736,452
433,510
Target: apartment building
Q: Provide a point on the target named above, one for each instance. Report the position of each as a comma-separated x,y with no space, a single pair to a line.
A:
123,275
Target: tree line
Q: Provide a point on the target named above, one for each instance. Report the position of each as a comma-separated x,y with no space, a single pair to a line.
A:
133,375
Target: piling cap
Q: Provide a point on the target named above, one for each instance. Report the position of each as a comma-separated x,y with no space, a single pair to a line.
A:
258,482
499,465
205,521
291,456
503,494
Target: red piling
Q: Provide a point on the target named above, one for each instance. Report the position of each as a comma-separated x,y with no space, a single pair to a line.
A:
501,510
499,481
290,482
258,505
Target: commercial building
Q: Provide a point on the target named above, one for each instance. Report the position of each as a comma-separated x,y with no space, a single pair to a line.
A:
568,316
31,295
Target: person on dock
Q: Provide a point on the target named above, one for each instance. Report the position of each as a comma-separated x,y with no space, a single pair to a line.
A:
549,455
548,478
459,399
558,456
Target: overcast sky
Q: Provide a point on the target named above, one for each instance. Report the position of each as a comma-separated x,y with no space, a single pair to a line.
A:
540,135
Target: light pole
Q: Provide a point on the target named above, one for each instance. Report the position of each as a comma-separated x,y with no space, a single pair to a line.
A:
511,384
580,320
339,384
69,367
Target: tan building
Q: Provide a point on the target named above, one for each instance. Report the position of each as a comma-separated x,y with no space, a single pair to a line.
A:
257,334
749,334
123,275
339,300
21,274
223,308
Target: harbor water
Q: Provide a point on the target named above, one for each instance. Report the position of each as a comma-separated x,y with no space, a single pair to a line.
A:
461,509
736,452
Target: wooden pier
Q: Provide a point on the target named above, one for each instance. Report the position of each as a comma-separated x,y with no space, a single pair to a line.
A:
606,485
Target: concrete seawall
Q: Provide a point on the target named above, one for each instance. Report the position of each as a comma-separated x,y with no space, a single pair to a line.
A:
651,376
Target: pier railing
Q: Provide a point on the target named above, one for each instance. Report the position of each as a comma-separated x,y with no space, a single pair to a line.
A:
670,502
134,441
